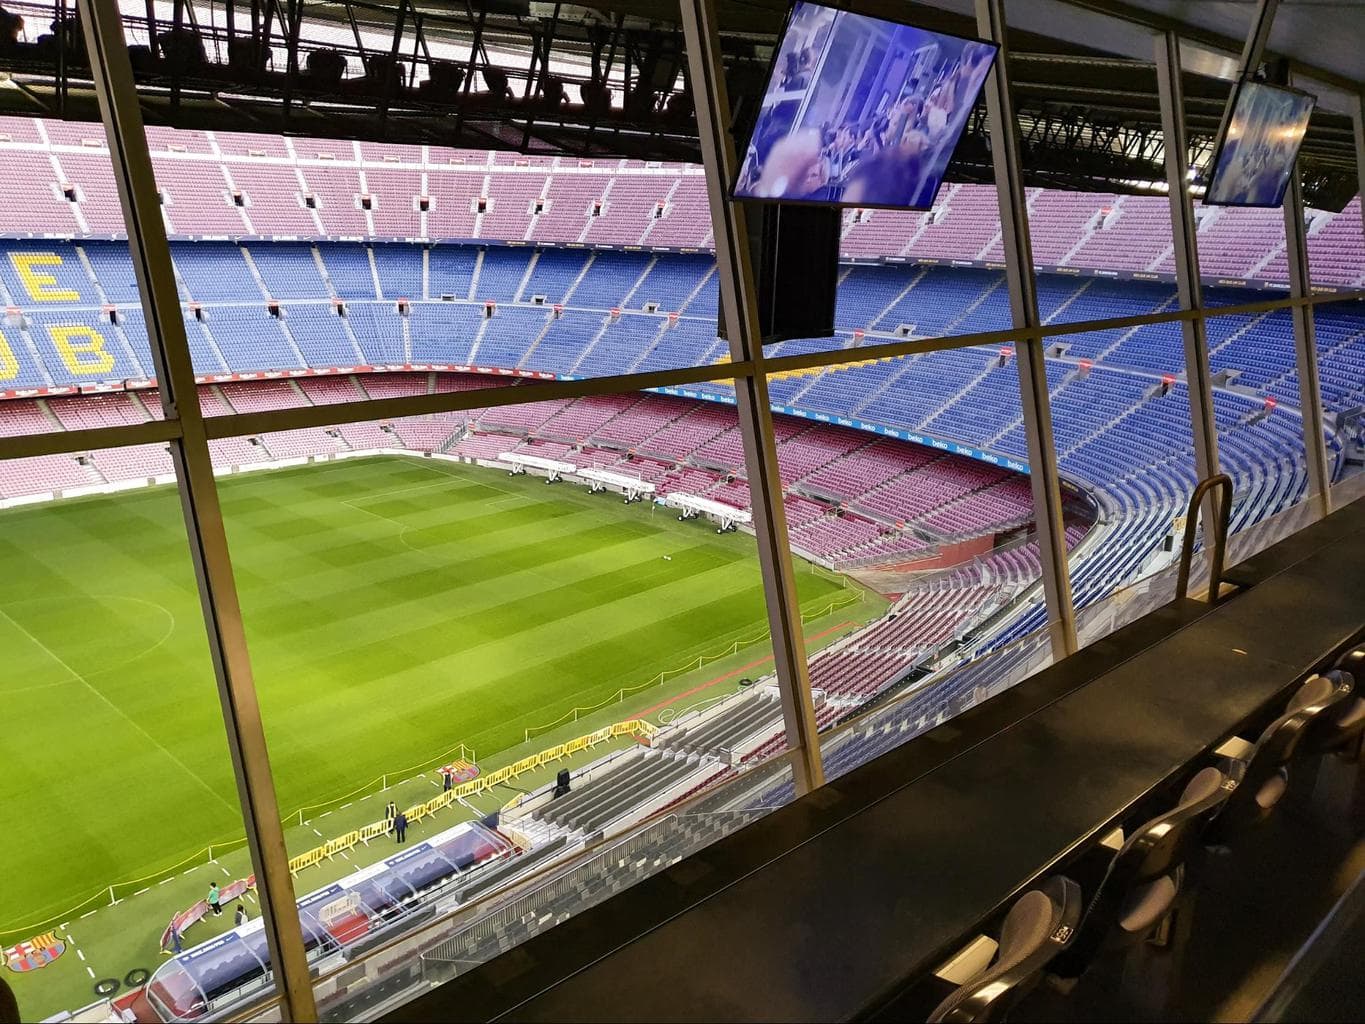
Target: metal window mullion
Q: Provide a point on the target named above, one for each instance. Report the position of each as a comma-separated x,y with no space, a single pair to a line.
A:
151,255
1020,276
740,308
1198,376
1306,351
1358,131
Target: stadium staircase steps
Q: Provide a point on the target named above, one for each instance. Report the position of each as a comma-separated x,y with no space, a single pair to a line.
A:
799,484
211,342
1265,261
365,396
453,441
426,258
140,404
49,415
877,393
478,340
361,358
668,203
243,211
365,191
973,306
534,222
526,276
26,337
590,807
1253,322
1113,346
303,185
128,351
295,387
632,794
647,350
1067,302
525,356
692,295
93,474
962,392
915,279
293,345
1165,254
592,344
477,272
720,731
630,295
569,291
1087,233
945,204
606,203
323,272
255,272
76,211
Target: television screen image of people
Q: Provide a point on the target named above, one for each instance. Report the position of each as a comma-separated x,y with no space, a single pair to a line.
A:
1264,134
861,112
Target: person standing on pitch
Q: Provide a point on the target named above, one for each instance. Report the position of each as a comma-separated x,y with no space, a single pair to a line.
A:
449,783
239,918
390,811
400,827
215,901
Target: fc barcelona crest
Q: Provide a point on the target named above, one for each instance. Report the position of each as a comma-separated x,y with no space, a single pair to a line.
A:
35,953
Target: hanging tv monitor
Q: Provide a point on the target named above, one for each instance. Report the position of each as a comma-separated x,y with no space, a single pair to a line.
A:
1257,152
860,111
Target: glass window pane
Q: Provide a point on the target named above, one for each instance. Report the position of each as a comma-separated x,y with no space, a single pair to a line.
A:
908,477
459,609
115,739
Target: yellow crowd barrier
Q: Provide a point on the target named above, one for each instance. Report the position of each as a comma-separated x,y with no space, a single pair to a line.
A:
415,813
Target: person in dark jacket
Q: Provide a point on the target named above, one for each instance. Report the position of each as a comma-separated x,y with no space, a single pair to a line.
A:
400,827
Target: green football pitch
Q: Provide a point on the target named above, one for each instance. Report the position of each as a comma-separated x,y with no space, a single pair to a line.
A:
395,608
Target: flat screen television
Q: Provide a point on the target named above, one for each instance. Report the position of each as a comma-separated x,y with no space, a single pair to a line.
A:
1257,152
859,111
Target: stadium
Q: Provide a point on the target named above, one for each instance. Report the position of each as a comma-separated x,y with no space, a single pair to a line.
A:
447,611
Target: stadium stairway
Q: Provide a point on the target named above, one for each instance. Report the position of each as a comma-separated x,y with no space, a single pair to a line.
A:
719,734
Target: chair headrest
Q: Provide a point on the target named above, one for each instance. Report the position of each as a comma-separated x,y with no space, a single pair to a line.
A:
1027,926
1315,690
1204,784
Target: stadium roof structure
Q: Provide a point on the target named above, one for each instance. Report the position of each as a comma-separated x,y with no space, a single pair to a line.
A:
607,77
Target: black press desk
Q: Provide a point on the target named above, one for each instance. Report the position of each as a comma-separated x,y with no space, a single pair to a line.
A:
827,907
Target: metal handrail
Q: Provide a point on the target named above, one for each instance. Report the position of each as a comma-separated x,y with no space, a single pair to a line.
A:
1219,481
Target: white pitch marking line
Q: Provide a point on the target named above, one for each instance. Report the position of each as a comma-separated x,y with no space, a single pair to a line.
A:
226,872
117,710
90,913
165,881
89,971
80,953
317,833
344,806
141,891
